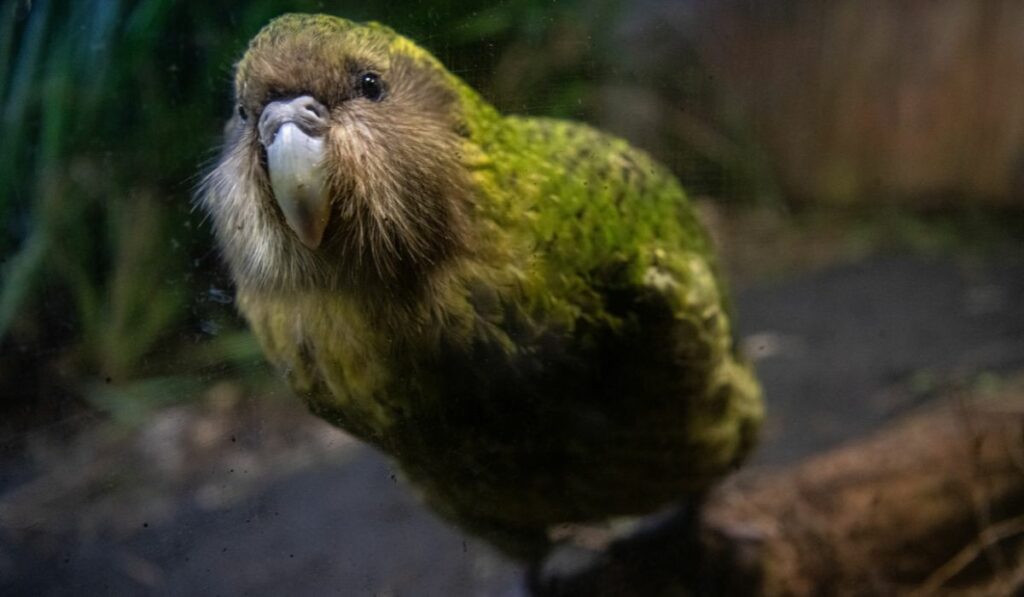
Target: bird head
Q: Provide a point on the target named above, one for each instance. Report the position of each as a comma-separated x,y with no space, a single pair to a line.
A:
341,164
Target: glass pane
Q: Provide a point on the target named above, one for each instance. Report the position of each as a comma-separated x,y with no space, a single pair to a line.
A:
527,297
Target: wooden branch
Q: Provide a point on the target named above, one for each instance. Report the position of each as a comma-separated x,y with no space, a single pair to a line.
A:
887,514
932,505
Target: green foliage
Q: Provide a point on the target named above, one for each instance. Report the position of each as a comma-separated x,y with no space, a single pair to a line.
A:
108,111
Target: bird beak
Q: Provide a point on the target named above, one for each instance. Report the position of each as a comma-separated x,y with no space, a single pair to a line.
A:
292,132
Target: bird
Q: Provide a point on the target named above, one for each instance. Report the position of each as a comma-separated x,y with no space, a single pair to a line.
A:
524,313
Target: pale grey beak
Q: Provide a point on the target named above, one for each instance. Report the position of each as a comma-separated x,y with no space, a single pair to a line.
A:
292,131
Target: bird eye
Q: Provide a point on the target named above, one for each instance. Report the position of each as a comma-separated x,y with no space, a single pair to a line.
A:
242,113
370,86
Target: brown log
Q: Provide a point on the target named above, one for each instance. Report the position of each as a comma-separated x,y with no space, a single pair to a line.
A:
931,505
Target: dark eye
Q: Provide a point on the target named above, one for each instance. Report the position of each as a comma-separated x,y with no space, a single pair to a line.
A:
242,113
370,86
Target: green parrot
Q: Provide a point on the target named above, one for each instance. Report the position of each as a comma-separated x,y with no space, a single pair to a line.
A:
524,313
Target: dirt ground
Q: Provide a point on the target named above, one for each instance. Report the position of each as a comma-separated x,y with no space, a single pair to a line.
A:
244,493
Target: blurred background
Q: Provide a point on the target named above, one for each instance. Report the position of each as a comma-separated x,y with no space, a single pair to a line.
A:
859,162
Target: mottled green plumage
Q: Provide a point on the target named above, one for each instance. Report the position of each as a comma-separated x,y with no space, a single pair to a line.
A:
566,357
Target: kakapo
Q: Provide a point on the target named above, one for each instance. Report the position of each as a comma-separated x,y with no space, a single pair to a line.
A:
524,313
